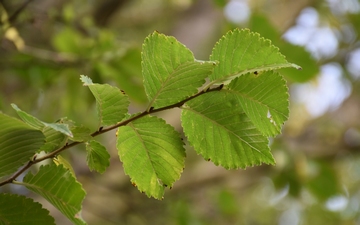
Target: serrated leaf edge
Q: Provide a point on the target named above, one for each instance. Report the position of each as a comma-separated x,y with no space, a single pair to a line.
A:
227,79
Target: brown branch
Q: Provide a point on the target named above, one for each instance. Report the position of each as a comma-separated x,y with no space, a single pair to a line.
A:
57,57
14,16
36,160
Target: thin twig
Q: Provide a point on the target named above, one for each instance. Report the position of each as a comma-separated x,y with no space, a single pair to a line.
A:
14,16
58,57
104,130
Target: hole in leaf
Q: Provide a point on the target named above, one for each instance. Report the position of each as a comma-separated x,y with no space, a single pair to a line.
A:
269,116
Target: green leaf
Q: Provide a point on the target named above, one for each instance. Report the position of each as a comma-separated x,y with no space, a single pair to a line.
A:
30,120
264,99
86,80
219,130
59,160
111,103
54,139
58,186
260,23
125,70
97,156
62,128
18,143
56,133
80,133
241,51
20,210
40,125
170,71
152,153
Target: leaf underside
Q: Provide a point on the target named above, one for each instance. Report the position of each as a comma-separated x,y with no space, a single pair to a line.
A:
18,143
97,156
58,186
20,210
59,160
54,139
56,134
112,104
40,125
152,153
80,133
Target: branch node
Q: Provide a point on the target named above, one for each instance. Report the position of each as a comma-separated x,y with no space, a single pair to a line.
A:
34,158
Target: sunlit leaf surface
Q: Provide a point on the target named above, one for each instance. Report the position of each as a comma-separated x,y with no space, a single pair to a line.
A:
218,128
264,99
112,104
152,153
170,70
241,51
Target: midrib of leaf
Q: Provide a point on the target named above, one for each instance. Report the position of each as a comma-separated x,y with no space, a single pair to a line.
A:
258,69
147,152
159,91
98,99
254,100
163,85
48,194
183,78
242,56
209,119
109,100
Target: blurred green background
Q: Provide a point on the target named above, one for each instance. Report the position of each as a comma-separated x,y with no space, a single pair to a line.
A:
46,45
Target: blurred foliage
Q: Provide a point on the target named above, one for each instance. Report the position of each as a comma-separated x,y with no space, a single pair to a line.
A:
46,45
260,23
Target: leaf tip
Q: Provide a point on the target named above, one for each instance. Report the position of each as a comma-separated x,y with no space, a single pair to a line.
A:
86,80
15,106
296,66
